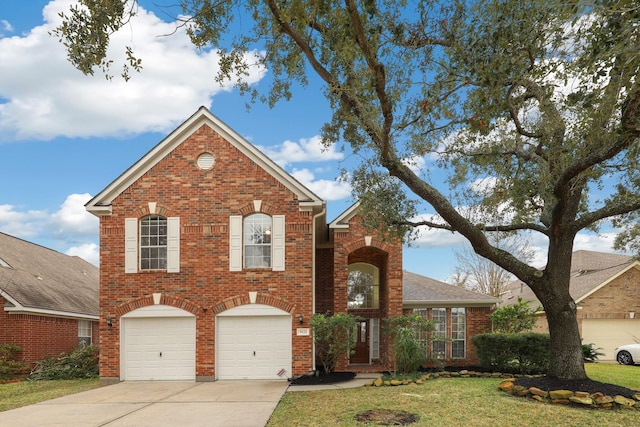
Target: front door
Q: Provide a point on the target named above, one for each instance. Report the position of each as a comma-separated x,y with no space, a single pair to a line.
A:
361,351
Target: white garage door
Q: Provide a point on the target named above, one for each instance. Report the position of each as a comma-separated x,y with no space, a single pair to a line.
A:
158,348
610,333
253,342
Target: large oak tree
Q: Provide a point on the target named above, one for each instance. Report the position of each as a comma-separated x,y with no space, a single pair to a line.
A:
540,102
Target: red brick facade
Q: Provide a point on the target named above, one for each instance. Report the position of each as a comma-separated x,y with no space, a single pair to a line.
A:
40,337
240,183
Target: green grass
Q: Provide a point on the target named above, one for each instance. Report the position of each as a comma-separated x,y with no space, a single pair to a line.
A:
15,395
453,401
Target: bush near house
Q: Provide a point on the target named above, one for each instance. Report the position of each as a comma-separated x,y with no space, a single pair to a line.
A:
10,365
408,335
334,336
80,363
525,353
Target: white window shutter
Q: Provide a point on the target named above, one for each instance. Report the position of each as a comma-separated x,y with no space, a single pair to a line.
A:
235,243
277,243
131,245
173,245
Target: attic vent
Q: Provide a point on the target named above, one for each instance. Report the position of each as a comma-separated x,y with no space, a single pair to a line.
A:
206,161
3,263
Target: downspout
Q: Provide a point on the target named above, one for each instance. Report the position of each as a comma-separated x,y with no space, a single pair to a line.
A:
313,278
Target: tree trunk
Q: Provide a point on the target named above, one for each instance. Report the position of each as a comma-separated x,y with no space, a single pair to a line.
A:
566,360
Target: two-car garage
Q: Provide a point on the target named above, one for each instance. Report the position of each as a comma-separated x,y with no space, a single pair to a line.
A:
158,342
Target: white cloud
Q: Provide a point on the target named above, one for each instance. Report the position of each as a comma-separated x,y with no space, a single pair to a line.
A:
46,97
71,229
22,224
305,150
325,189
72,218
88,251
5,27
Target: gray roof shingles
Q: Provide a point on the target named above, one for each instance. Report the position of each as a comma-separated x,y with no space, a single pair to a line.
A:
589,270
43,279
421,289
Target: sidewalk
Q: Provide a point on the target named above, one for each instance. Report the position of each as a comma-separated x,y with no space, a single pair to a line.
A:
359,381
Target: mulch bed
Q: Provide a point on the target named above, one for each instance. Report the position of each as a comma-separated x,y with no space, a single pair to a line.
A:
589,386
331,378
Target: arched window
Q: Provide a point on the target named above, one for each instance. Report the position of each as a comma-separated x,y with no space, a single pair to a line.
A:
257,241
363,286
153,243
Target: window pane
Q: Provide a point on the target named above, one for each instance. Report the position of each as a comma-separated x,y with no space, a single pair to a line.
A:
439,317
362,286
153,243
257,241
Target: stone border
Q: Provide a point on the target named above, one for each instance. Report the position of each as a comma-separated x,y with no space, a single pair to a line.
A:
566,397
562,397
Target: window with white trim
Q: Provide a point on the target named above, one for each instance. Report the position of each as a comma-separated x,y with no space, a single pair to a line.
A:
84,333
152,243
439,318
458,333
256,241
363,286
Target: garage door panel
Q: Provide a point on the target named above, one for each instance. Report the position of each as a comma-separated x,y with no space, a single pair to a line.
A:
609,334
159,348
255,347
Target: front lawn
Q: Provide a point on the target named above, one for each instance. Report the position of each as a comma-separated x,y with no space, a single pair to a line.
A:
453,401
15,395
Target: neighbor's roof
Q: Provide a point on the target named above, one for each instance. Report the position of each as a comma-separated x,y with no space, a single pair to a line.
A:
101,203
38,280
421,290
590,271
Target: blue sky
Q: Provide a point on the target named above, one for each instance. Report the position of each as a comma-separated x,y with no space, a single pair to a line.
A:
65,136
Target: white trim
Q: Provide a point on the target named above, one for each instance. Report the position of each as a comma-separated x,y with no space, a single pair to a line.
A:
50,313
173,245
235,243
278,243
131,245
342,221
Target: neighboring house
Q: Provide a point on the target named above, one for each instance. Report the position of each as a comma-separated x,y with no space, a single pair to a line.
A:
49,300
459,315
214,259
606,289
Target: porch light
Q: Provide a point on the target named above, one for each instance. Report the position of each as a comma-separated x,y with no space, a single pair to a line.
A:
301,318
109,322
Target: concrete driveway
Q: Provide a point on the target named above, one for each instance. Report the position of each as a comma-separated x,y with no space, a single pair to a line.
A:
157,404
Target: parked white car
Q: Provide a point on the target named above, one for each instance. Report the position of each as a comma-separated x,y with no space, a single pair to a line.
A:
628,354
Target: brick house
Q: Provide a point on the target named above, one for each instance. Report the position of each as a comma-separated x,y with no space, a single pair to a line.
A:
606,289
49,300
213,260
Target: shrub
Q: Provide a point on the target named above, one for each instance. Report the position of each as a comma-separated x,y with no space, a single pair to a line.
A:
80,363
525,353
334,337
591,354
408,336
513,319
10,366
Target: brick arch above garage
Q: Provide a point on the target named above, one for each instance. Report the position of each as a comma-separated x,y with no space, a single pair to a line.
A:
259,298
162,299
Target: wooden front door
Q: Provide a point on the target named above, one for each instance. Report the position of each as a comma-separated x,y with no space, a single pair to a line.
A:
361,351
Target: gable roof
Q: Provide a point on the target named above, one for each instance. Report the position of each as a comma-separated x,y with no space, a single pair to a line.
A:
590,271
419,290
101,203
38,280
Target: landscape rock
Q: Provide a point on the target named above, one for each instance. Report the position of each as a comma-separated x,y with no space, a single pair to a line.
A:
560,394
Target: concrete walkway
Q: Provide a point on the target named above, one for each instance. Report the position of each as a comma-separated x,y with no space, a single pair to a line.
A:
157,404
